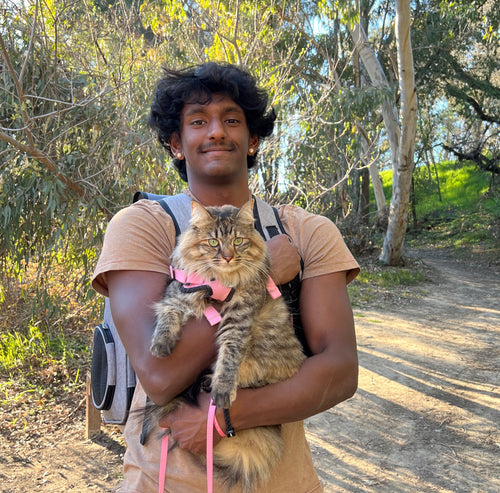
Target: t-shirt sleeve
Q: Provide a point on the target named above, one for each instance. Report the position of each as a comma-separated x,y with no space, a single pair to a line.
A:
139,237
320,243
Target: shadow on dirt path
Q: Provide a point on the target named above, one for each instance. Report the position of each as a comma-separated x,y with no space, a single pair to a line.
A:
427,413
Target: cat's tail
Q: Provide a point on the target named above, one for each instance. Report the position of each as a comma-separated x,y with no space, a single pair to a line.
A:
248,458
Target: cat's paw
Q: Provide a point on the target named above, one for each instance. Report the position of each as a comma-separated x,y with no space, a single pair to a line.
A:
163,345
223,398
159,350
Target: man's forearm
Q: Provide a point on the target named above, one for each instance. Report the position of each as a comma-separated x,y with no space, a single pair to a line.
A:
323,381
165,378
132,295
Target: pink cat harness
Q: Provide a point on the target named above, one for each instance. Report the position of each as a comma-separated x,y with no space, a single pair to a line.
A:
215,290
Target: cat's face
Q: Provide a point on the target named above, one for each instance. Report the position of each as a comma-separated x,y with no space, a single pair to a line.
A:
222,242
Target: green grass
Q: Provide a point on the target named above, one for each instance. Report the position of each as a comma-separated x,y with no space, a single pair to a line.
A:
388,277
377,284
45,334
462,214
39,362
19,350
37,369
463,188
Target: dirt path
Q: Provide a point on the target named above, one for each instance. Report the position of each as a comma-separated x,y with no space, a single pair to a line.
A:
425,418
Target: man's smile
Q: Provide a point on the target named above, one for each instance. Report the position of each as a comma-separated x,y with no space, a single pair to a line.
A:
216,148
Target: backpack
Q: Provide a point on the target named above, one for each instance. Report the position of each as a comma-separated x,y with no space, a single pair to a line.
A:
112,375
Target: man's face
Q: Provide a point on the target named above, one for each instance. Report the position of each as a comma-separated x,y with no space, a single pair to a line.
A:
214,139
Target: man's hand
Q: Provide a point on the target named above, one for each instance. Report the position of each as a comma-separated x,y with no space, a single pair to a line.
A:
285,259
188,425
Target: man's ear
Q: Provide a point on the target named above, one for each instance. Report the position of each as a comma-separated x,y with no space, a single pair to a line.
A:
253,143
175,144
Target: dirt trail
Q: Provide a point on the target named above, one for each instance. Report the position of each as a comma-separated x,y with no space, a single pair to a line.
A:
425,418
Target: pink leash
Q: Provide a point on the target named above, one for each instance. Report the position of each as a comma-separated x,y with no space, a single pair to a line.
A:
163,464
210,447
211,422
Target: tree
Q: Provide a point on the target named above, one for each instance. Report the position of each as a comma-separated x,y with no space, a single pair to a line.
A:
400,128
74,100
77,81
458,67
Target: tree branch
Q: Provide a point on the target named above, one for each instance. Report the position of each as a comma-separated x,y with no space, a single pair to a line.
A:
466,98
486,164
45,160
474,82
20,93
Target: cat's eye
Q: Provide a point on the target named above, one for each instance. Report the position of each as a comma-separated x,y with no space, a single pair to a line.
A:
238,241
213,242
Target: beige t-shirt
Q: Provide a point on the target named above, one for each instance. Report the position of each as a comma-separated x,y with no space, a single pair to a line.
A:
142,237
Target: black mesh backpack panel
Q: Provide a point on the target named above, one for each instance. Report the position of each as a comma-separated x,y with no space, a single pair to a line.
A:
103,370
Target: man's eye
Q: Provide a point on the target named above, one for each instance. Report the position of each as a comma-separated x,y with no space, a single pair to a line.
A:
213,242
238,241
232,121
197,123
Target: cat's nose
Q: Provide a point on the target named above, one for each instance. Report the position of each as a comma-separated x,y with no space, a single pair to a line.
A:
228,258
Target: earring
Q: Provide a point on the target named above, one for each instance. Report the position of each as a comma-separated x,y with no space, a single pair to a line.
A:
179,156
251,151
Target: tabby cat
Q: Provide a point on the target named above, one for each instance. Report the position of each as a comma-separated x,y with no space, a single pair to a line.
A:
255,337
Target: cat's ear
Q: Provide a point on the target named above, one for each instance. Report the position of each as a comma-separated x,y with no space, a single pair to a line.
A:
246,212
198,212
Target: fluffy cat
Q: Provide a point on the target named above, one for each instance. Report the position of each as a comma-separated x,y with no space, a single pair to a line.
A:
255,337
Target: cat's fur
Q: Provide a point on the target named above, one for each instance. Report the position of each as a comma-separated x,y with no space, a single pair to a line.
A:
256,341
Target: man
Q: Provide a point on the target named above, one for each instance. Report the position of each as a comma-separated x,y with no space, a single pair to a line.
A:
211,119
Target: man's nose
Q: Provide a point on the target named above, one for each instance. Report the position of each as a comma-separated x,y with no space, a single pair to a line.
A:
216,129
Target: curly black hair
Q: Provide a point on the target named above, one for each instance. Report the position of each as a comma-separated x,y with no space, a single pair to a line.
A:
197,85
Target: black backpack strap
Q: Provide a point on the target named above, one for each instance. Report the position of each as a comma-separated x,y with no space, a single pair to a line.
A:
268,223
179,208
167,209
146,195
267,220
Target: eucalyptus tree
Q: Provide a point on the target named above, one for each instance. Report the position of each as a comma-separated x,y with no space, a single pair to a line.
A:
459,64
73,130
77,79
395,101
296,63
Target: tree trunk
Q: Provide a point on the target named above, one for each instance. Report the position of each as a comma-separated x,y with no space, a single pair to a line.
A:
378,189
413,202
378,79
437,181
402,171
400,131
365,196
